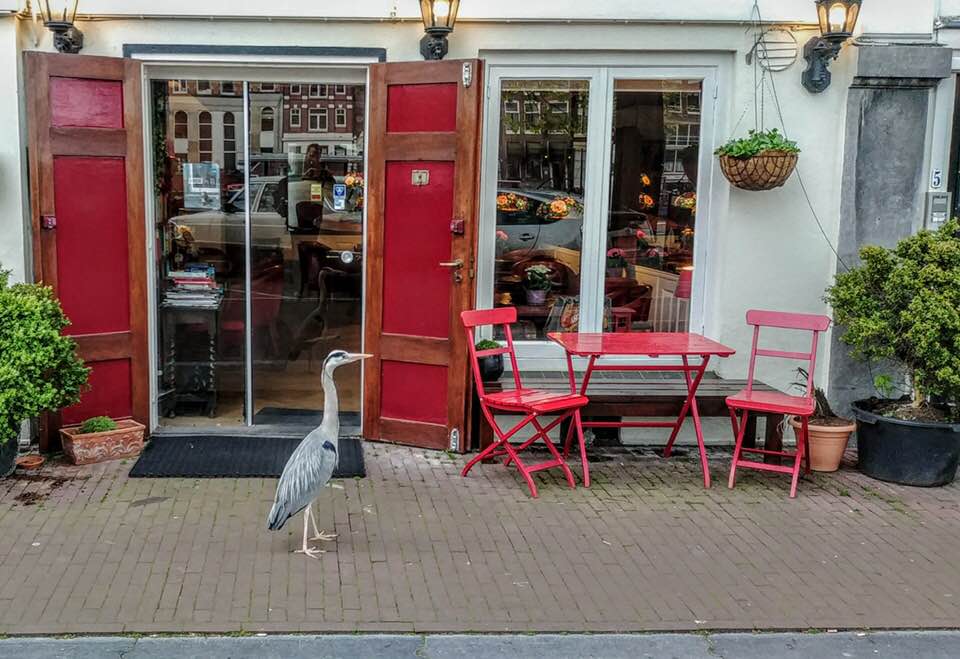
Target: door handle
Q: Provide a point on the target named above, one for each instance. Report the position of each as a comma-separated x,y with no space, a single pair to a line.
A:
526,236
456,265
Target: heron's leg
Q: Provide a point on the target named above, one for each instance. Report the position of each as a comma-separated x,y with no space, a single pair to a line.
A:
312,552
318,534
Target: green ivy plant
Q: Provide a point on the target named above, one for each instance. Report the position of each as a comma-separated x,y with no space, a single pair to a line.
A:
538,278
39,367
757,142
903,304
486,344
97,424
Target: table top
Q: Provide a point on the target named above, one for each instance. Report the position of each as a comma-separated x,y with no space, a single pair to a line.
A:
652,344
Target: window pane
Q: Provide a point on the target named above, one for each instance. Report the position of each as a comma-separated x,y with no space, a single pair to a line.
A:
653,205
540,203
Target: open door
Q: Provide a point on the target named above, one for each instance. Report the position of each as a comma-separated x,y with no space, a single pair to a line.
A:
423,169
87,204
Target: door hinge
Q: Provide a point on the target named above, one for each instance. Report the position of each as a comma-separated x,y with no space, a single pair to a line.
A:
455,439
467,74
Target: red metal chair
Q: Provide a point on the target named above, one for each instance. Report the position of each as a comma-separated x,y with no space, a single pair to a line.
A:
531,403
748,400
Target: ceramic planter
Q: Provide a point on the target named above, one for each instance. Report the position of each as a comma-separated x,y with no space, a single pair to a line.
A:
906,452
827,443
491,368
536,298
8,456
124,442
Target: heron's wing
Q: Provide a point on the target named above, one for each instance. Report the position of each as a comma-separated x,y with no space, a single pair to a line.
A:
307,471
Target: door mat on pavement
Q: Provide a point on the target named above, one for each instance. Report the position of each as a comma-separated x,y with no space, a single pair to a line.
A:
233,457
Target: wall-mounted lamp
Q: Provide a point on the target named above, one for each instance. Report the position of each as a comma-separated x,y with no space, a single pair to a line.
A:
837,19
58,16
439,17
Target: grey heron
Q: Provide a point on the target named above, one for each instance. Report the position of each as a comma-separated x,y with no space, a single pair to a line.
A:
312,463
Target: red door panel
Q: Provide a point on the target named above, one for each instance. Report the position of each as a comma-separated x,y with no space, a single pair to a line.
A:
416,289
90,195
89,234
424,120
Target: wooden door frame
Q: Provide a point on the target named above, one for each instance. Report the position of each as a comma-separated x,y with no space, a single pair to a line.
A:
44,143
428,146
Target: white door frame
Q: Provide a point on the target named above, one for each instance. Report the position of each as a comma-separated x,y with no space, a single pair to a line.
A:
163,66
600,73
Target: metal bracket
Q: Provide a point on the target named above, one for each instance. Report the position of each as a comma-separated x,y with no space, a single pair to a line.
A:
467,74
455,439
457,226
48,222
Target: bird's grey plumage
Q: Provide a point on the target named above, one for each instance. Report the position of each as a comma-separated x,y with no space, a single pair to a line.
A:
311,465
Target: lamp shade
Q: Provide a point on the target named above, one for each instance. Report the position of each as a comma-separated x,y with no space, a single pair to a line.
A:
837,18
439,14
63,12
684,284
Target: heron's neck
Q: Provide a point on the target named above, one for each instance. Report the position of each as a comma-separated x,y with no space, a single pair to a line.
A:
331,409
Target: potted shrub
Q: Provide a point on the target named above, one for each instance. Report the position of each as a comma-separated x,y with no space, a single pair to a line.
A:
762,160
537,283
901,306
829,433
616,262
100,438
491,366
39,367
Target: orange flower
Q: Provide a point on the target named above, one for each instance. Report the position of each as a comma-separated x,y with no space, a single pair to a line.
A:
645,179
558,207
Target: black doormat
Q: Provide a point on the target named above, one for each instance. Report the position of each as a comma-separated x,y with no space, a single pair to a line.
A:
295,416
224,456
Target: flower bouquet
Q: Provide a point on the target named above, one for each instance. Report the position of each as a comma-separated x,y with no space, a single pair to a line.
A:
559,208
616,261
511,202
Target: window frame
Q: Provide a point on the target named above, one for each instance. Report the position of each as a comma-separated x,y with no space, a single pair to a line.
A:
295,124
319,113
599,120
336,117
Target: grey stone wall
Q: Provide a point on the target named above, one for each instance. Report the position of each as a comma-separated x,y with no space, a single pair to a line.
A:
882,198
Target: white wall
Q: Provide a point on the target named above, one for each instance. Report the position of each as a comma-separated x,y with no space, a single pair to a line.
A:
765,248
13,233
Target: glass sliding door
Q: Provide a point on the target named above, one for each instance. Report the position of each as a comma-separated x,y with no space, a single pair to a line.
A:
200,256
651,221
306,195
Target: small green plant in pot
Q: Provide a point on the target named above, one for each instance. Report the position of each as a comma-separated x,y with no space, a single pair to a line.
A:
39,367
828,433
901,306
537,283
100,438
491,366
762,160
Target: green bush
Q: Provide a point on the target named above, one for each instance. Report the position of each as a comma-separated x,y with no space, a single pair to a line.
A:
97,424
39,367
903,304
757,142
486,344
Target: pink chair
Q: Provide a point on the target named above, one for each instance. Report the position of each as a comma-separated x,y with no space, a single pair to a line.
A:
748,400
531,403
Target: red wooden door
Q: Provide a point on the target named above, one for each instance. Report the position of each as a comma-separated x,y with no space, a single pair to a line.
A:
87,202
422,217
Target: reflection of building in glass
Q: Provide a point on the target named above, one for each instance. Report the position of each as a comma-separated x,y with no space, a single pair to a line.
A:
681,129
206,119
543,134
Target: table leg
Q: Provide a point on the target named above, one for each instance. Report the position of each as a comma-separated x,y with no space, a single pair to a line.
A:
690,405
573,389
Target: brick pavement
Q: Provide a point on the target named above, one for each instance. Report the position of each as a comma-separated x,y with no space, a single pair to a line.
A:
87,550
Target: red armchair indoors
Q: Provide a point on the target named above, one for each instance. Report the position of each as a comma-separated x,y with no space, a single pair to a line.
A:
531,403
748,400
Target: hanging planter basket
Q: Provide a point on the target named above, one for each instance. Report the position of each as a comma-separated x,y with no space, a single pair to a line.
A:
765,171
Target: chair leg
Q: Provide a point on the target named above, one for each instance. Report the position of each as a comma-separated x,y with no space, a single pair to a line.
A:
806,445
522,468
561,462
583,448
741,431
801,445
569,440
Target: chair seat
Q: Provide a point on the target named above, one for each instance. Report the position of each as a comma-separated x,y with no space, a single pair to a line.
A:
534,400
771,401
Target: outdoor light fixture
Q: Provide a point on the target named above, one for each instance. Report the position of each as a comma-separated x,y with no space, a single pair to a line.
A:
438,19
837,19
58,16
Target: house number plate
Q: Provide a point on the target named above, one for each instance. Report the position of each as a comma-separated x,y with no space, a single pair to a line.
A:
420,177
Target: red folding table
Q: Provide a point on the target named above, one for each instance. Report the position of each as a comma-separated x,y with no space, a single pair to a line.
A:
687,347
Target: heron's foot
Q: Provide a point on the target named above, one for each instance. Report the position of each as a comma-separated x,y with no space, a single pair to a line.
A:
324,536
312,552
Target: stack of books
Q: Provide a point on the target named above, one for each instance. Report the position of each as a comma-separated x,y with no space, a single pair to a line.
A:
195,286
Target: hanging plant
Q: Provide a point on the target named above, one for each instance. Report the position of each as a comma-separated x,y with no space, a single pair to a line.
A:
761,161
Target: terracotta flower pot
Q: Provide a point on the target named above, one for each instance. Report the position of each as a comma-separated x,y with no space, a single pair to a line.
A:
124,442
827,443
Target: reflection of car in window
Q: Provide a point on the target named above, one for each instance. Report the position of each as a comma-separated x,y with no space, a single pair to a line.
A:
524,217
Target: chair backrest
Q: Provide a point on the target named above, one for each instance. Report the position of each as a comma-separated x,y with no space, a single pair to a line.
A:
812,323
504,316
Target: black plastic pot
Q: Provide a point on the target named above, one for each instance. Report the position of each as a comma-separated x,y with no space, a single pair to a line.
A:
491,368
8,456
906,452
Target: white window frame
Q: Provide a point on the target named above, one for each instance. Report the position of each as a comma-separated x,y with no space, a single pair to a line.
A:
340,89
208,90
296,90
233,88
601,77
319,113
295,116
336,117
179,86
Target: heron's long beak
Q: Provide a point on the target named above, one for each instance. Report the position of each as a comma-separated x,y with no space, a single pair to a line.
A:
357,356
